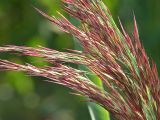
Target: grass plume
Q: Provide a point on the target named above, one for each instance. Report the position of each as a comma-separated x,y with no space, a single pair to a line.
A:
131,82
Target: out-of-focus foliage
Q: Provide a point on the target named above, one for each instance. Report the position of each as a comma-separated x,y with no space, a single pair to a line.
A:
29,98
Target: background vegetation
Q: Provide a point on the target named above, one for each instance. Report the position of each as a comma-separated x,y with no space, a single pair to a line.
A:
31,98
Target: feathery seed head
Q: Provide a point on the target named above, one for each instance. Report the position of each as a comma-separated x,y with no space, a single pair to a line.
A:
131,82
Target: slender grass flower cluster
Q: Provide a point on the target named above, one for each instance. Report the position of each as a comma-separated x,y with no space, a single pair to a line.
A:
131,84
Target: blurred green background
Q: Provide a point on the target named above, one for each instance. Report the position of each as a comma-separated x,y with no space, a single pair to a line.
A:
31,98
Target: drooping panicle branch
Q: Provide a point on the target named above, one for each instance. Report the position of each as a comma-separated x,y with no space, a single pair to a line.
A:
48,54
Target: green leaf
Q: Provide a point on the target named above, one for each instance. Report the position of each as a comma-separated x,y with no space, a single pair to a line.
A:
96,111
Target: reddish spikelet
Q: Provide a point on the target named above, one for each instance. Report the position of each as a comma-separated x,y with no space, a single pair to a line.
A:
48,54
132,84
